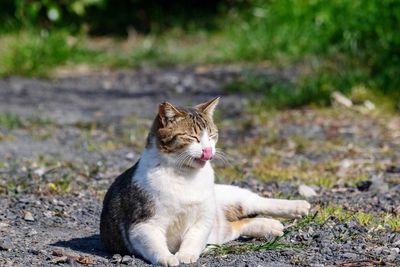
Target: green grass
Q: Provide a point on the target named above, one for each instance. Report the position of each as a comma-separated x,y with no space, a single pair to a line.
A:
320,217
276,243
340,45
60,186
369,220
45,175
10,121
32,53
315,90
36,53
42,53
269,168
13,121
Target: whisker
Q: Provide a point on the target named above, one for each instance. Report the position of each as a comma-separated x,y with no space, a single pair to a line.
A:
222,157
185,161
181,159
184,158
191,159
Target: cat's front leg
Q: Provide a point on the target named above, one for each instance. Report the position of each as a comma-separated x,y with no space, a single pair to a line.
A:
287,208
194,241
150,242
239,203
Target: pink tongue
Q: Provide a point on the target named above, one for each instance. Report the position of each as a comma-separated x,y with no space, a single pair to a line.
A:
207,154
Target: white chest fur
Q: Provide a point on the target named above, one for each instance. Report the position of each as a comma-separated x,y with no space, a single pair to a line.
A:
175,192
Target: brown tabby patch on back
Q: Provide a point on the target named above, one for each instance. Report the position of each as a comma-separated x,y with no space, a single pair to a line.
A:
186,127
125,204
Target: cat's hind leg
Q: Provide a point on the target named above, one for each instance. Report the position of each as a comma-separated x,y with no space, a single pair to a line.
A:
238,203
256,227
251,227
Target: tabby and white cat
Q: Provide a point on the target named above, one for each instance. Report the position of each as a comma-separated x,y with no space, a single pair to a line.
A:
166,208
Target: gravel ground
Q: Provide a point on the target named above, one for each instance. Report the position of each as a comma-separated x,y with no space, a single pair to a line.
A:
73,135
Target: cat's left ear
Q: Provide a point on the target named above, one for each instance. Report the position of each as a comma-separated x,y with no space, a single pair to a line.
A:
209,106
168,113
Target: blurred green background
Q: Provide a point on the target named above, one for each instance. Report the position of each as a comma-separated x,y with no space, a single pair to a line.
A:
350,46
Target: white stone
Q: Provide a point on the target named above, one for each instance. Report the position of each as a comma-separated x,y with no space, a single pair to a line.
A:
307,191
341,99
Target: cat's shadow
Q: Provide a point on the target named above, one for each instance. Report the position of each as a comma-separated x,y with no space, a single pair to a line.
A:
88,244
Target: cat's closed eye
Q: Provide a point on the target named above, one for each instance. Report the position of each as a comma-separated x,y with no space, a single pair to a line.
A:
214,136
194,138
189,138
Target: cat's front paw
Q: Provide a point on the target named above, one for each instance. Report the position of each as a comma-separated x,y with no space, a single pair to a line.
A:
169,260
300,208
187,257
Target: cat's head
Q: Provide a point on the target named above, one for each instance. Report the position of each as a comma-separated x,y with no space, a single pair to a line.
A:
186,136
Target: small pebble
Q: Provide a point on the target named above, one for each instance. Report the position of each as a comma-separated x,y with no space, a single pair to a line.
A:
350,255
116,258
5,245
3,225
39,171
126,259
130,156
394,253
32,232
378,184
48,214
363,185
397,209
378,250
393,169
28,216
307,191
34,251
61,259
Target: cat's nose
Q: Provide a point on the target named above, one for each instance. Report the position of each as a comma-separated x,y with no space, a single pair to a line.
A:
207,153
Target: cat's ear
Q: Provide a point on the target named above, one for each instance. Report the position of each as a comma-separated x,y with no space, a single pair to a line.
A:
168,112
209,106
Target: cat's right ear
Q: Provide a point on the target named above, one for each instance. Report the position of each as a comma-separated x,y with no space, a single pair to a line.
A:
209,106
168,113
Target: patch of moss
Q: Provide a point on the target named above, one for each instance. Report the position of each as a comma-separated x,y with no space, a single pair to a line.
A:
60,186
370,220
10,121
229,174
320,173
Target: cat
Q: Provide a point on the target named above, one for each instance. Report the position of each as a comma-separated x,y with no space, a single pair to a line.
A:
166,208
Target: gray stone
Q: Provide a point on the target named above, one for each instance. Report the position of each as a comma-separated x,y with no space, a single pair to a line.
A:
394,253
126,259
378,250
5,245
116,258
3,225
28,216
378,184
350,255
